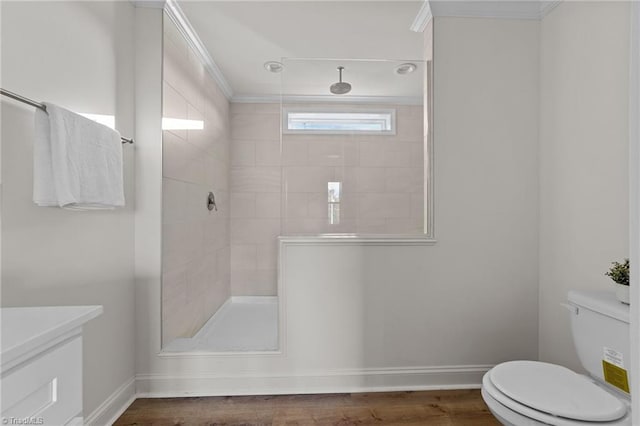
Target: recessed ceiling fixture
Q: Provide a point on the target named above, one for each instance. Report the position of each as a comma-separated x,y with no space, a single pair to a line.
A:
341,87
406,68
273,66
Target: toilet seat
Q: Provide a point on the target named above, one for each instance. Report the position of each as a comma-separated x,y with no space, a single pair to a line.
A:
513,379
556,390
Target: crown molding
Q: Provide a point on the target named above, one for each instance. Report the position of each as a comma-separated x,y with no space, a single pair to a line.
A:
423,18
380,100
499,9
178,17
547,6
148,4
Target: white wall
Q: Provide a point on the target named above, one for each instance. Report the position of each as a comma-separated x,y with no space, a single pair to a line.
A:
584,194
79,55
148,215
362,317
486,184
634,199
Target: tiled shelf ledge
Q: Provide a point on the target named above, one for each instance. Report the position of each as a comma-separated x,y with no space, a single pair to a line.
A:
358,239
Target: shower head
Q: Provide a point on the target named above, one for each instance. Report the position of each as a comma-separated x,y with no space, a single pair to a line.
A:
341,87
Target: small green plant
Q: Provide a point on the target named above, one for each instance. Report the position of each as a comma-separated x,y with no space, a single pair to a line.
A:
619,272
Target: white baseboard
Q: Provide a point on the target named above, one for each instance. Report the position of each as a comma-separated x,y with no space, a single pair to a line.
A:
345,381
339,381
113,407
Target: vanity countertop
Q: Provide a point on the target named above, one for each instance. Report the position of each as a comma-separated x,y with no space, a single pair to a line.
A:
25,330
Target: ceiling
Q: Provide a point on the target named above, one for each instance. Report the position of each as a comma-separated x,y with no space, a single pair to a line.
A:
241,36
368,78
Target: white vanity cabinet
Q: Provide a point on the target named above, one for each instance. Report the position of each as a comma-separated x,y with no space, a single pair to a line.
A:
41,364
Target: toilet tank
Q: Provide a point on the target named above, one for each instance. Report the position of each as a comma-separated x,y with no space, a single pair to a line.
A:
600,327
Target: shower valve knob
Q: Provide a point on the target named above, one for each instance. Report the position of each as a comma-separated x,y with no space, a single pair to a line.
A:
211,202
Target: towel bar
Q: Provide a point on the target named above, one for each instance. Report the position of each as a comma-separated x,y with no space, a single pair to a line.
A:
40,106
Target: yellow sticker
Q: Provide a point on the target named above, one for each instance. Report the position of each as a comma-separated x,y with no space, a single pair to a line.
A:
615,376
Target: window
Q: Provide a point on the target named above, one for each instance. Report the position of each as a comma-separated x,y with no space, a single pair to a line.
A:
371,122
333,192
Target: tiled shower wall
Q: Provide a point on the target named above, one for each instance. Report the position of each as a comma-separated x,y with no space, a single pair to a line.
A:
196,253
382,180
255,198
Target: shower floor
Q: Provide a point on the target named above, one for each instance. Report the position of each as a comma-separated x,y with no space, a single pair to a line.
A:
242,324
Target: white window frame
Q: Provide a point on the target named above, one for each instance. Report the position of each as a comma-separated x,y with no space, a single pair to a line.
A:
292,109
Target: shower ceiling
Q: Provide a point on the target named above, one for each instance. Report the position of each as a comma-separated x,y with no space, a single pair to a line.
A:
242,35
368,78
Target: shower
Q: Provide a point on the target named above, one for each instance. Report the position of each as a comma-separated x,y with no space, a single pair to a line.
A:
341,87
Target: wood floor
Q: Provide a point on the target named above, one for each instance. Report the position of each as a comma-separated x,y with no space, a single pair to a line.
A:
438,408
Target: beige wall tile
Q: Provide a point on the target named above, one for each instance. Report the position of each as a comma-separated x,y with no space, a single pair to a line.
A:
174,201
223,263
411,225
198,76
384,205
174,288
318,205
417,154
217,174
220,149
174,105
268,205
196,253
410,125
181,160
175,245
371,226
349,207
296,205
197,211
173,65
243,204
243,153
267,255
259,282
255,179
417,205
370,179
305,226
254,231
295,152
339,152
343,226
347,176
385,154
244,256
216,232
267,153
403,179
202,138
307,179
255,126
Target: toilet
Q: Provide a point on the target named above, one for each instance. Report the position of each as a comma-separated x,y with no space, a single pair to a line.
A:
537,393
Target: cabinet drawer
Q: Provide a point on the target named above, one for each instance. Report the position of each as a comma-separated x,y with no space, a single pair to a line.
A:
47,389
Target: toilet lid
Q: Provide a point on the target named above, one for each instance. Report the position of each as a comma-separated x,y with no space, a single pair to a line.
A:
556,390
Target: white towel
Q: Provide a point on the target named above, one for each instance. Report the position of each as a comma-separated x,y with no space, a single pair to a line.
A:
77,162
